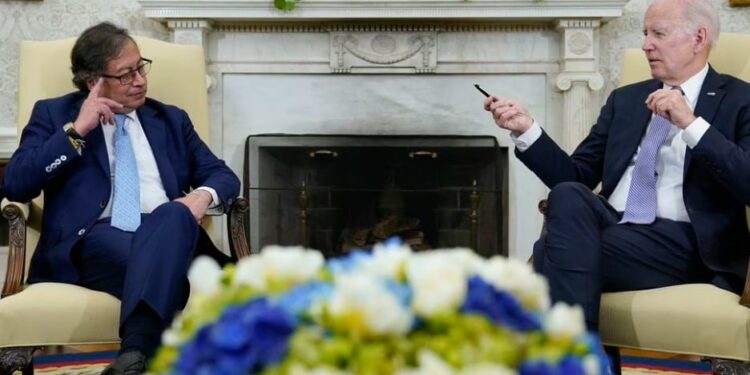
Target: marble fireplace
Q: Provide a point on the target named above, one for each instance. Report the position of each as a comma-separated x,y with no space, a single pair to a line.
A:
397,67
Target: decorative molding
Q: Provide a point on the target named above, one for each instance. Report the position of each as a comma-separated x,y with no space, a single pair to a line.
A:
578,24
593,80
313,10
190,31
271,28
373,49
325,27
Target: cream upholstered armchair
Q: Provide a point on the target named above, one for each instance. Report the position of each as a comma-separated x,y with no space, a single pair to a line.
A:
51,314
694,319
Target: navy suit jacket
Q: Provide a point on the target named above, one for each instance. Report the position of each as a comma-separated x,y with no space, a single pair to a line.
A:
77,187
716,185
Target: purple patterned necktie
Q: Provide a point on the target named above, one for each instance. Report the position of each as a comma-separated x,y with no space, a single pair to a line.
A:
640,207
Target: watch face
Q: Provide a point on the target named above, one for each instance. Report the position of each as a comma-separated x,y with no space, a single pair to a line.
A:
71,131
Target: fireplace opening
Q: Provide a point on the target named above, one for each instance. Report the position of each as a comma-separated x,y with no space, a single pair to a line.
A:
336,193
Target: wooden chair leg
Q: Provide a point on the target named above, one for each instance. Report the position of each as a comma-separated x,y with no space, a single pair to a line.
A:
729,367
17,359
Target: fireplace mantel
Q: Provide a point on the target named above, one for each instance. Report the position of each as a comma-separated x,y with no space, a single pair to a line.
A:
309,10
397,67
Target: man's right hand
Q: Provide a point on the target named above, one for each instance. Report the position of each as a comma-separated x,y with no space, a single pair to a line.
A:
95,109
509,114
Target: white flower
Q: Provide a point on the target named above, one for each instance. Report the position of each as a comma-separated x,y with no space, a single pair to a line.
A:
300,370
486,369
277,265
518,278
564,321
250,272
387,261
591,365
174,335
361,302
205,275
438,279
431,364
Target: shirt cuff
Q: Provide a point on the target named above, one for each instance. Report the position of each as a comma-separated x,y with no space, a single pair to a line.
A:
215,207
695,131
525,140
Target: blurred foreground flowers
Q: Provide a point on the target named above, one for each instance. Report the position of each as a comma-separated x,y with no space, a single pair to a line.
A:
389,311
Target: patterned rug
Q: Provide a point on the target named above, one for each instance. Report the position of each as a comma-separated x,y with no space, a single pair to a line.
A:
93,364
643,365
73,364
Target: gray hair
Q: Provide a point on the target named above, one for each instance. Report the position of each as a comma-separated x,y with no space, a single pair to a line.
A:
699,13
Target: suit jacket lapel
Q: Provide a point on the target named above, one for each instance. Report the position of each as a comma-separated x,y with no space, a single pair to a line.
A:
155,130
709,99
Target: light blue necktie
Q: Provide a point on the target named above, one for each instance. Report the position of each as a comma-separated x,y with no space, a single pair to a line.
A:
126,203
640,208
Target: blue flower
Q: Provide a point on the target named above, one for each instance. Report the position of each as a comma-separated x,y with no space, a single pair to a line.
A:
245,339
347,263
568,365
499,306
300,299
402,292
595,346
536,368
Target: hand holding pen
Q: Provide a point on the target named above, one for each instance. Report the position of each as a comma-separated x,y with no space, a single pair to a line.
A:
508,114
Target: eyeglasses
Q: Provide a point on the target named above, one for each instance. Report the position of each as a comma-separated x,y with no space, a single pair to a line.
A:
143,68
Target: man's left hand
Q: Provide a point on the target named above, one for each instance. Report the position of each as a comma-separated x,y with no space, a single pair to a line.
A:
671,105
198,202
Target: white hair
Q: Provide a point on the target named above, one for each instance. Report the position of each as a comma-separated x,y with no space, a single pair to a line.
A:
699,13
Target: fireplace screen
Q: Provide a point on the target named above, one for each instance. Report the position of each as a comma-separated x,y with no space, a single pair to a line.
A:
338,193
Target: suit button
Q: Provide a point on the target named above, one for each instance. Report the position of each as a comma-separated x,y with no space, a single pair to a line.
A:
102,204
81,232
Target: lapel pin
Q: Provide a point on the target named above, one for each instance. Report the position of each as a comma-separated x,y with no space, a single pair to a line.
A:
711,93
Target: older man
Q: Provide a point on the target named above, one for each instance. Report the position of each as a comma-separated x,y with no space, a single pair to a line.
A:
114,166
672,155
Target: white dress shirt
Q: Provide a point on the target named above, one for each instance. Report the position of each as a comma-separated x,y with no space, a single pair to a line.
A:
152,192
670,163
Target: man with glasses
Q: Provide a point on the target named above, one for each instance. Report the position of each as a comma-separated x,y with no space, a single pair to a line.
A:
113,166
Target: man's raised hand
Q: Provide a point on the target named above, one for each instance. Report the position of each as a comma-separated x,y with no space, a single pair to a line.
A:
509,114
94,109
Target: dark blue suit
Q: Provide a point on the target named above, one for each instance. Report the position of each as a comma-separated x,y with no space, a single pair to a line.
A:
716,189
76,190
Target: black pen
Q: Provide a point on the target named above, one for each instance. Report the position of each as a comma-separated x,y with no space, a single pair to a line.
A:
482,91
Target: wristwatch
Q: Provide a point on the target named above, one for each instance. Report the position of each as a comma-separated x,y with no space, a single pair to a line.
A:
71,132
75,139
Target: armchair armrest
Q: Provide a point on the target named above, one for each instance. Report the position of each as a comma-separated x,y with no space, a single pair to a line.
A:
744,298
16,213
238,241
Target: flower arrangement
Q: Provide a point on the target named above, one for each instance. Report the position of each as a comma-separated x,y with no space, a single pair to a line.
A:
388,311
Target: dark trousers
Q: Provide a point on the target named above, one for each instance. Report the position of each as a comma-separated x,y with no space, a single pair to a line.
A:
585,252
147,266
